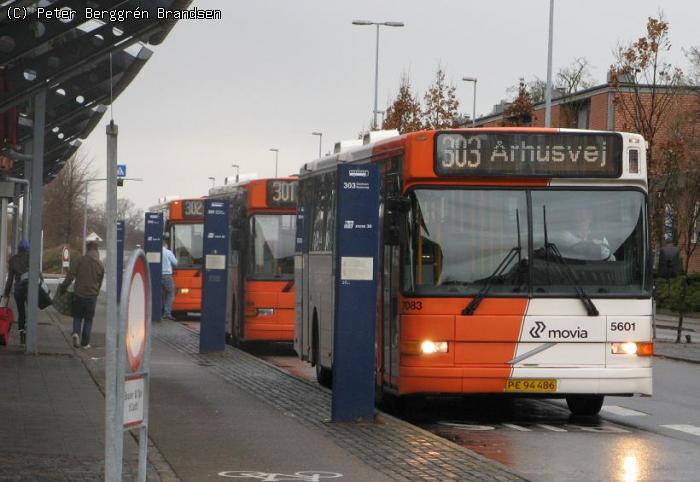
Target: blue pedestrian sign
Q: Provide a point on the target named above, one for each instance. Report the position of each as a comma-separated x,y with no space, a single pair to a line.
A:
121,170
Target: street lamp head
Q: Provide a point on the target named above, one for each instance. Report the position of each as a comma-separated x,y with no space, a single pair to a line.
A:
393,24
469,79
317,133
362,22
274,149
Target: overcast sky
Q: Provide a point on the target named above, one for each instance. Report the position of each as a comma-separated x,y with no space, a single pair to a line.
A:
270,72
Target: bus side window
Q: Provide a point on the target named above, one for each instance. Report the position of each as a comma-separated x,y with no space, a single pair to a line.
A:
318,229
329,184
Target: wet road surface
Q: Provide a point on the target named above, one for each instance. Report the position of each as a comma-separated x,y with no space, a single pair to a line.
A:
633,439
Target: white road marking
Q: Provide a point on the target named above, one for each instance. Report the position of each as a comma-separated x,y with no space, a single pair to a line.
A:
549,427
622,411
691,429
517,427
474,428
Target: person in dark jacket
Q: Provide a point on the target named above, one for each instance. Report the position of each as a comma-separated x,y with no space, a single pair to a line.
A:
88,273
18,273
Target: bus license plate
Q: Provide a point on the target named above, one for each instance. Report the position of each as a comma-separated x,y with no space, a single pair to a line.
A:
531,385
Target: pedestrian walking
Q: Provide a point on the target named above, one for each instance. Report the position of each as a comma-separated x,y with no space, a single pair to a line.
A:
168,262
18,273
88,273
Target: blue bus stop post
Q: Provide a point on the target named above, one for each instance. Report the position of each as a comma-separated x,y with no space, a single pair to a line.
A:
153,245
357,252
120,258
212,332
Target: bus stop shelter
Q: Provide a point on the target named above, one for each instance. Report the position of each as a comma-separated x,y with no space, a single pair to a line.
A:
57,78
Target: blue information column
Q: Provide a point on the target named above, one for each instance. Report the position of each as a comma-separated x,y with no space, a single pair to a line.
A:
153,245
357,254
212,332
120,257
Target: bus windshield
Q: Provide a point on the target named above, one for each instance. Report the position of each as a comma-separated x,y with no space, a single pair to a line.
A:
459,239
186,245
272,246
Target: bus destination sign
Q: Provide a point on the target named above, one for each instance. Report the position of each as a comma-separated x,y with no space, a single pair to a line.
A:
281,193
192,208
518,154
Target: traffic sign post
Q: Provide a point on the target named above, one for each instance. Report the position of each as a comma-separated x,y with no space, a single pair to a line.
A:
65,258
153,244
357,252
135,352
212,333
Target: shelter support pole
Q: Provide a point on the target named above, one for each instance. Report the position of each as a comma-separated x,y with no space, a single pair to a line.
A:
37,181
114,374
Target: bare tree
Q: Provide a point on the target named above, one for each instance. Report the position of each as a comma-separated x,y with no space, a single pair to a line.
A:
441,104
127,211
64,202
647,87
536,89
680,150
693,54
404,113
574,77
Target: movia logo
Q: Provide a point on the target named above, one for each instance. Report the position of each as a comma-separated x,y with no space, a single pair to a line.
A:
539,328
358,173
349,224
210,235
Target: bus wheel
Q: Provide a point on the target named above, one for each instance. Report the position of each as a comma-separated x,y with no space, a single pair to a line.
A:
585,405
324,376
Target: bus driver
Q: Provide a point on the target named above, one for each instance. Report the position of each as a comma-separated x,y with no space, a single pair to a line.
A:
580,241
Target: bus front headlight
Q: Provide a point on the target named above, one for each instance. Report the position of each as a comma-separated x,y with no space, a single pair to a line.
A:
632,348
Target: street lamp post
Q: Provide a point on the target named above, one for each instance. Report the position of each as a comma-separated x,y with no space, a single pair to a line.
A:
376,59
213,180
548,91
472,79
276,151
320,141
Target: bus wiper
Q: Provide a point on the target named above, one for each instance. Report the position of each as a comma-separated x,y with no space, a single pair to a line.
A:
568,272
514,251
476,301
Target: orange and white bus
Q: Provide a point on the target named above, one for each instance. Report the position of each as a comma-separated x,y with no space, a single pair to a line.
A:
512,260
184,227
261,274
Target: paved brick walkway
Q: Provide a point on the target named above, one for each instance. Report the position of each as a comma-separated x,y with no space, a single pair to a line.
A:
665,346
689,352
399,450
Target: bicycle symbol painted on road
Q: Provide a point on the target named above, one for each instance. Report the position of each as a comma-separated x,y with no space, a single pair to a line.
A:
304,475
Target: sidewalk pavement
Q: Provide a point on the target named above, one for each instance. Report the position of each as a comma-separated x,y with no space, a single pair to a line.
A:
665,342
211,416
52,414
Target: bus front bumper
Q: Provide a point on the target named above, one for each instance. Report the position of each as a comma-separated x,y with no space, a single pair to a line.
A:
588,380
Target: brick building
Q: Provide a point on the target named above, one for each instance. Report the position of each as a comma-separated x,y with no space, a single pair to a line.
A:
605,107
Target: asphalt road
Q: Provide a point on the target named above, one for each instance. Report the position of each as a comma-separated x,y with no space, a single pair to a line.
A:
655,438
633,439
